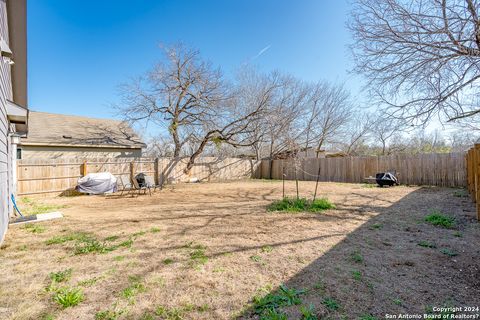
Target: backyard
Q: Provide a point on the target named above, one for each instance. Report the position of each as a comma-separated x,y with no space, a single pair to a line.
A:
213,251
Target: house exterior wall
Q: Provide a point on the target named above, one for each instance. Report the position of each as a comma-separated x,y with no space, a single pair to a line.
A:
52,152
5,145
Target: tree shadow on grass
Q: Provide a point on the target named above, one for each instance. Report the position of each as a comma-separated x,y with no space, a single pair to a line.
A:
385,266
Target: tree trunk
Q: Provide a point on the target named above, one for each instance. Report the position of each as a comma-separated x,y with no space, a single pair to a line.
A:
176,141
319,146
257,152
196,154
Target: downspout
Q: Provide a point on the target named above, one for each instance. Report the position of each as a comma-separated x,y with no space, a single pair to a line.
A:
14,140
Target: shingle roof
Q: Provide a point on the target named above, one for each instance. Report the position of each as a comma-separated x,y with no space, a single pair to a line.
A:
65,130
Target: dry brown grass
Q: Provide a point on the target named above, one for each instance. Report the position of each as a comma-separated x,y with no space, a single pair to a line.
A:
202,251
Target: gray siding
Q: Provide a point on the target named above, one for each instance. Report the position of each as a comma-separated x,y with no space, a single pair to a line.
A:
5,93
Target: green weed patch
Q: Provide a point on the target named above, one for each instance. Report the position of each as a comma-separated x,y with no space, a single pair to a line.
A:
68,297
301,205
263,305
439,219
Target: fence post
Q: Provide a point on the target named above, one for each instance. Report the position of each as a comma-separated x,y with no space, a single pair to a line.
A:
84,168
477,178
155,169
473,173
132,170
270,169
469,172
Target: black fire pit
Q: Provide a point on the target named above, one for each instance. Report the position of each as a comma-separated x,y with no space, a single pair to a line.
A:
386,179
141,179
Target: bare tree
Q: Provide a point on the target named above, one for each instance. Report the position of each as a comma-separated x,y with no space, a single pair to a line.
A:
425,142
461,140
160,146
310,115
385,130
233,124
421,57
356,136
266,131
179,94
327,112
285,125
187,97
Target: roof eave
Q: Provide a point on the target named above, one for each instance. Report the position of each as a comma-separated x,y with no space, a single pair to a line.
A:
47,144
16,113
17,27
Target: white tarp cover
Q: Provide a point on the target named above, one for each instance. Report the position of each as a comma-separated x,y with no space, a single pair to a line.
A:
97,183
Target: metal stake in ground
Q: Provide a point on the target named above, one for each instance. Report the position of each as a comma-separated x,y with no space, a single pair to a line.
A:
316,183
296,179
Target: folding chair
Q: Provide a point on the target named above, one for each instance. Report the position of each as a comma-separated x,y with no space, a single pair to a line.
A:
150,183
138,187
126,184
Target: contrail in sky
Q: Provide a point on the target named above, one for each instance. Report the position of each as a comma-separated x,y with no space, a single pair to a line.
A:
261,52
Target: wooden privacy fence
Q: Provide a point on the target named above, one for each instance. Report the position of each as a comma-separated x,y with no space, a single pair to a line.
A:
473,175
435,169
56,176
449,170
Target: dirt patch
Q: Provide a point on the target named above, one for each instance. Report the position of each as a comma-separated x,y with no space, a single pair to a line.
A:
203,251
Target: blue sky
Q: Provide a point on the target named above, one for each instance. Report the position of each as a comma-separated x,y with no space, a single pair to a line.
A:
79,51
